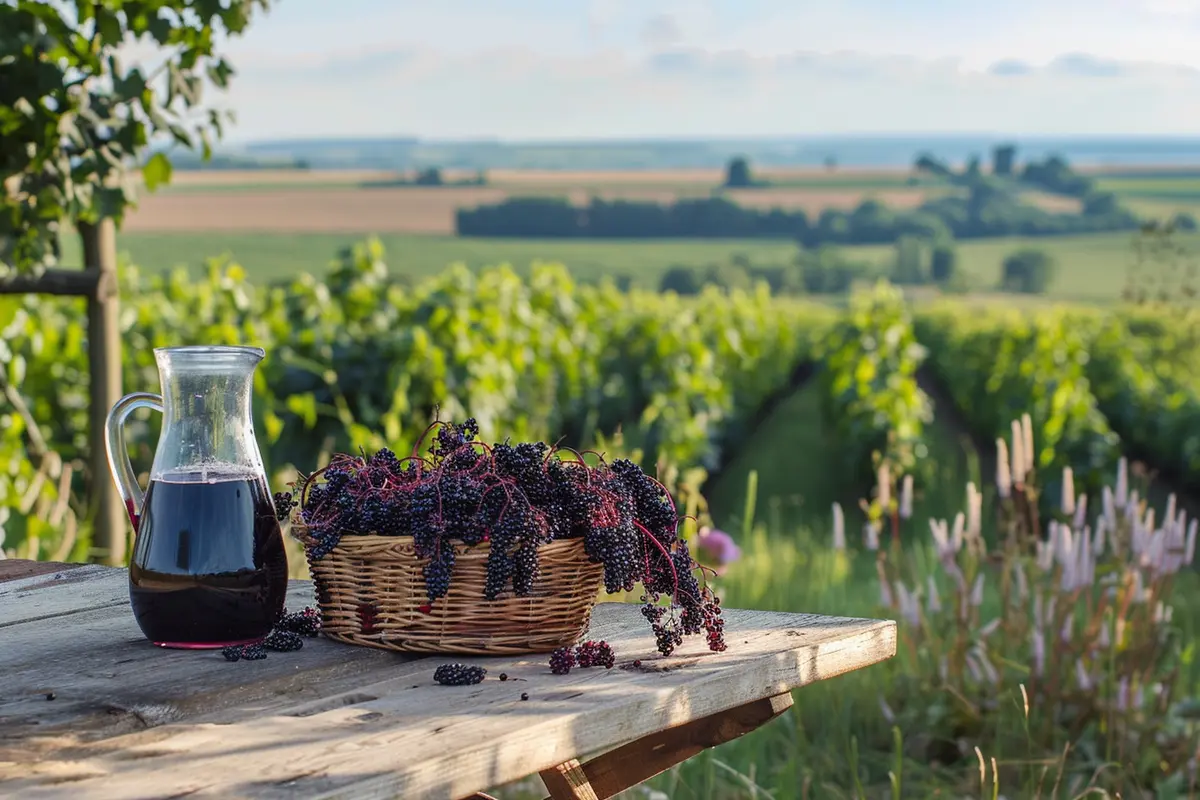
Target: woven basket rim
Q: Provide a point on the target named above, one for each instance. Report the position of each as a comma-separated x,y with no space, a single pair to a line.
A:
300,533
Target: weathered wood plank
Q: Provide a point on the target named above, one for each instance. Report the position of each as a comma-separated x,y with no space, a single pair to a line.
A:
333,719
70,589
12,569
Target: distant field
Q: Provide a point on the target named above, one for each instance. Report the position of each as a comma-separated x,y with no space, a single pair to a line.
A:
1155,193
1091,268
362,201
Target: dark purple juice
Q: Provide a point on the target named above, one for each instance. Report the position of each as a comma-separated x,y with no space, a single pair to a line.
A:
208,568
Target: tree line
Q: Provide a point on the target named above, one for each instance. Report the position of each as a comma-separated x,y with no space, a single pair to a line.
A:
983,210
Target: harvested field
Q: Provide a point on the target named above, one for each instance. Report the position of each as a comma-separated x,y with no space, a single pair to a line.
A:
274,177
420,209
333,210
814,201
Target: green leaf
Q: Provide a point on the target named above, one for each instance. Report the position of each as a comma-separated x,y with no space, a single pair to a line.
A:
157,171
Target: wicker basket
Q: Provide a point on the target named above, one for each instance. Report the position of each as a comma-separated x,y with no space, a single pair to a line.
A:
371,592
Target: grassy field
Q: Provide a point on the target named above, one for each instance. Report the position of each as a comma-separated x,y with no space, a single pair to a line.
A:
839,732
1092,268
1155,193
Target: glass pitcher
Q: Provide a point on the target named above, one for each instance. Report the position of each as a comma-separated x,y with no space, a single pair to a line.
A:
209,568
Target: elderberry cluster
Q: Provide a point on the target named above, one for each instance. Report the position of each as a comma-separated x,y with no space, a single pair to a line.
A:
588,654
514,498
458,675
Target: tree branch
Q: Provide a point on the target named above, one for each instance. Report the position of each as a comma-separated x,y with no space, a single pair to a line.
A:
37,442
70,282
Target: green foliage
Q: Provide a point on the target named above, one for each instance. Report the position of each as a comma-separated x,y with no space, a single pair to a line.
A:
827,270
73,117
1003,158
943,267
682,281
873,401
998,363
737,174
361,361
1143,368
431,176
1028,271
910,268
1055,175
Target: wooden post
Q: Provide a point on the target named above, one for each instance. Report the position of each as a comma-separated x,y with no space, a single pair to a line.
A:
104,364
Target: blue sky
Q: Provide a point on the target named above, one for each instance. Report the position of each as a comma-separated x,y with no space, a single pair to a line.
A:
543,69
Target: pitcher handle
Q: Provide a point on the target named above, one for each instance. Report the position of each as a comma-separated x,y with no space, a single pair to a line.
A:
118,455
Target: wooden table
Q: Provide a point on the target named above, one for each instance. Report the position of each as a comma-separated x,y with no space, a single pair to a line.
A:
90,709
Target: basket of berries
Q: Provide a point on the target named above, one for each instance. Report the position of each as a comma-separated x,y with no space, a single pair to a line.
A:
493,549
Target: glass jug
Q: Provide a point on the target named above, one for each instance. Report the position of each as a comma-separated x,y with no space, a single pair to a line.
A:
208,568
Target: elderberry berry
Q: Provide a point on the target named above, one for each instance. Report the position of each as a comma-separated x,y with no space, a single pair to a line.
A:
595,654
283,641
305,623
561,660
458,675
284,503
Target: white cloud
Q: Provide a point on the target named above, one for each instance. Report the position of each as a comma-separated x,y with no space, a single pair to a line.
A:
520,93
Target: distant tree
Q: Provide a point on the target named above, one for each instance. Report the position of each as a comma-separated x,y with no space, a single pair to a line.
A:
728,276
737,174
831,162
1184,221
431,176
827,271
1100,203
909,267
1003,159
973,170
623,281
781,280
681,281
943,265
1029,271
927,163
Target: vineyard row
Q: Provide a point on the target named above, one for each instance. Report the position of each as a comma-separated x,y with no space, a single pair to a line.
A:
357,362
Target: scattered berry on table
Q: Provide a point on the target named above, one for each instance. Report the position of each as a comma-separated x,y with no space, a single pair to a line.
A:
458,675
283,641
561,660
244,652
637,663
524,695
503,676
595,654
305,623
50,695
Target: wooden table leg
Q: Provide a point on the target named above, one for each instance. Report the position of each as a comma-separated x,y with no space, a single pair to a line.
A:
642,759
568,782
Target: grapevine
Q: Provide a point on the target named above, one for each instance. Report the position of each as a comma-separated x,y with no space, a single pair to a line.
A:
515,498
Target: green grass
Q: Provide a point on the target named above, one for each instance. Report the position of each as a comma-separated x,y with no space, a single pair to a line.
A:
272,256
1156,195
1091,268
788,565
